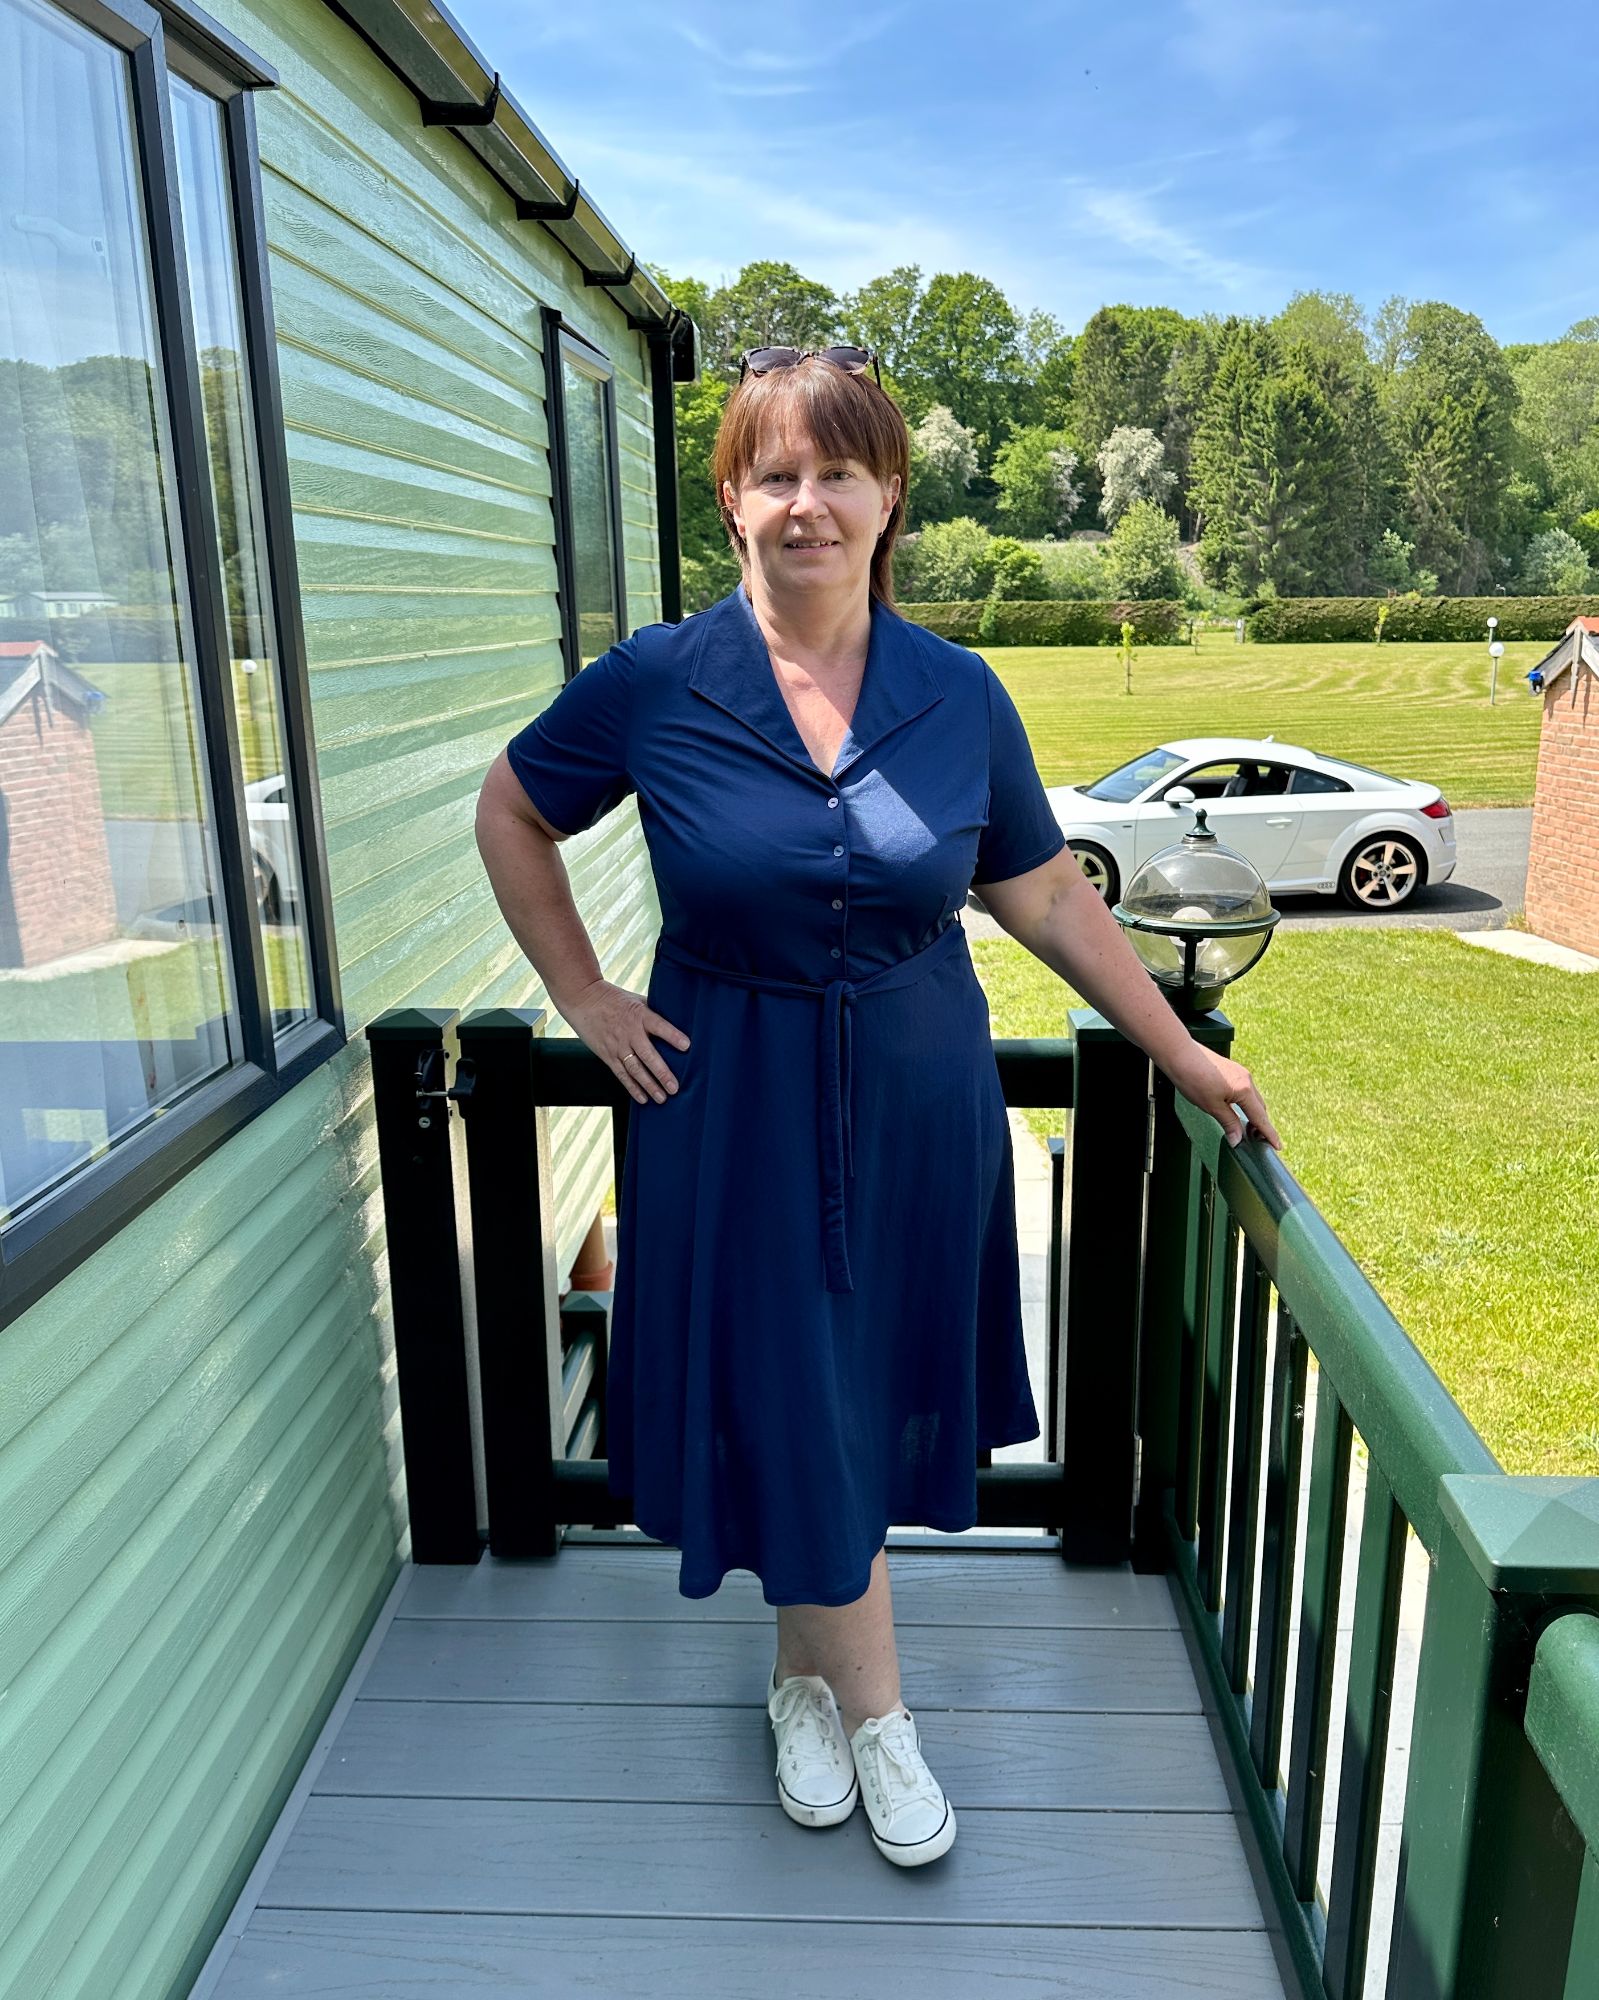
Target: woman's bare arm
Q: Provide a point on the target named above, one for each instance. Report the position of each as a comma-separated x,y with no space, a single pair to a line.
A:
521,854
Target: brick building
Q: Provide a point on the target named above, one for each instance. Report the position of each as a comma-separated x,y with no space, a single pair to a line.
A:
1563,868
56,892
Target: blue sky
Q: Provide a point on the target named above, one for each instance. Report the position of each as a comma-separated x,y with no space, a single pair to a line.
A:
1213,155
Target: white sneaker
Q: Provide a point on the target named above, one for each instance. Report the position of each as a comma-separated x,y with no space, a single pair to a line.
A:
910,1818
816,1782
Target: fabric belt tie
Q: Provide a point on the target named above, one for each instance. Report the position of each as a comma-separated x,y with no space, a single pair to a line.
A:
838,997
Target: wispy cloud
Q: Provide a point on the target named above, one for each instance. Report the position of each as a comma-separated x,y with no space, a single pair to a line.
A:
1129,219
814,50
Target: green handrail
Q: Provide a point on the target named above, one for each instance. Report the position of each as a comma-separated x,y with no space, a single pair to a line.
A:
1562,1720
1412,1426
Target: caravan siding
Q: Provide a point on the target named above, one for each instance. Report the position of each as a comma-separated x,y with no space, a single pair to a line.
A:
201,1494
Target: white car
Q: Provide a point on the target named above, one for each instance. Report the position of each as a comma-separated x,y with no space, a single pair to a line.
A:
1312,825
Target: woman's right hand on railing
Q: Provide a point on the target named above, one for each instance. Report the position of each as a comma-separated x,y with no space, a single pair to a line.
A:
617,1026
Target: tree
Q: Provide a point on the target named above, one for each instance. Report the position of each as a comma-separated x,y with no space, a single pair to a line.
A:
1392,566
882,313
710,568
1034,470
1131,467
1331,324
768,305
1189,375
964,352
1119,372
1273,473
1557,420
1143,557
1555,565
1450,402
943,464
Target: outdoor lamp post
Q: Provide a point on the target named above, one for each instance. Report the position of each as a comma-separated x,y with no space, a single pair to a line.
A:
1198,916
1495,654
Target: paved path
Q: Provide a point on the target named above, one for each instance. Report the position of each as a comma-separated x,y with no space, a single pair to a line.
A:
1488,886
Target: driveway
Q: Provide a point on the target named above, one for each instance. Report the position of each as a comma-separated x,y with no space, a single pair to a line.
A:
1489,884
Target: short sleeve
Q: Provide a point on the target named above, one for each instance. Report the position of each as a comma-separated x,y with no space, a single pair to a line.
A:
1022,831
572,758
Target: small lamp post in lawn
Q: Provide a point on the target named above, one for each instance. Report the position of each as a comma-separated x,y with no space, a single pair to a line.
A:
1495,654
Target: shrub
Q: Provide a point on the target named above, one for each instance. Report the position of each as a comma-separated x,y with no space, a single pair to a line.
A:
1585,533
1050,622
1299,619
1143,557
1555,565
1072,569
948,562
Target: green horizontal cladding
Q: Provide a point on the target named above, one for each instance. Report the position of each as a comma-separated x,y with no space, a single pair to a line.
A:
1562,1720
1415,1430
201,1484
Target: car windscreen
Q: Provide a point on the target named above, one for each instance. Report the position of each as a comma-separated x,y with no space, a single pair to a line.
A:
1128,780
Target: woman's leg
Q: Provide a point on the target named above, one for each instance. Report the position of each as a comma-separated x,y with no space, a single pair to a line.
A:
850,1645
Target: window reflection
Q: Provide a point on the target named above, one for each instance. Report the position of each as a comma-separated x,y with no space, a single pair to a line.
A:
114,985
211,252
588,460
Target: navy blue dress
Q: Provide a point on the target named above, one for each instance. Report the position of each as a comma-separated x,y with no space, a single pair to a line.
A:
817,1323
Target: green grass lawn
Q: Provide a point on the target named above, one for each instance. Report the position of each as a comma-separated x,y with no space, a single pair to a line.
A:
1418,711
1437,1103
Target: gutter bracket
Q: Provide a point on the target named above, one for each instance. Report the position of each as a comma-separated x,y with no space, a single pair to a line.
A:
548,211
611,277
436,111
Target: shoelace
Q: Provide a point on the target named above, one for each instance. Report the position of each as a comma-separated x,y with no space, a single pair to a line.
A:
896,1739
792,1696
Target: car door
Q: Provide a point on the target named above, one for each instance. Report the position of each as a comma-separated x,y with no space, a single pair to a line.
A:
1327,807
1247,806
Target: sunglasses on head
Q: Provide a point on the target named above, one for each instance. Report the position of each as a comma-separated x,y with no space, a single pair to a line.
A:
853,360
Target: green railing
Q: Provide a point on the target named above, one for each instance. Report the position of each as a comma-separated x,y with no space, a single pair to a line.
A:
1253,1314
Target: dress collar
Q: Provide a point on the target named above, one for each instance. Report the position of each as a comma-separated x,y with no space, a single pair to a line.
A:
732,667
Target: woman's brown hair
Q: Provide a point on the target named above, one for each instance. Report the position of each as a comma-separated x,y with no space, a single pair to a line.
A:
848,416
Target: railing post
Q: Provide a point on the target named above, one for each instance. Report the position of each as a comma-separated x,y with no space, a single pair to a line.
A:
1490,1864
515,1279
1106,1156
1168,1262
411,1048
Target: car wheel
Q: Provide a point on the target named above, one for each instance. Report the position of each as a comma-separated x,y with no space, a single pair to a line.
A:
1100,869
1384,871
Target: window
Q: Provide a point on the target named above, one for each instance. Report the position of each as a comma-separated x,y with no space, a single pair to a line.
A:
590,572
1235,779
1306,780
165,949
1121,786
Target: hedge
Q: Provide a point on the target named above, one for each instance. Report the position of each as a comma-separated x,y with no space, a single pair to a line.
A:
1283,619
1051,621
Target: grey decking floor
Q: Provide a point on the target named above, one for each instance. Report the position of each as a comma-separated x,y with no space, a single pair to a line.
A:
556,1778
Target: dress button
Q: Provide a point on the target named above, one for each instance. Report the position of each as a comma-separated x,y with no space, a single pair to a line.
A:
836,952
838,902
832,802
838,850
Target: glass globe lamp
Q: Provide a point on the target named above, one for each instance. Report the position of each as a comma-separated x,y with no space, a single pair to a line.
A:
1198,916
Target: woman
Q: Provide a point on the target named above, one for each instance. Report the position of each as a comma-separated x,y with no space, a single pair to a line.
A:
816,1325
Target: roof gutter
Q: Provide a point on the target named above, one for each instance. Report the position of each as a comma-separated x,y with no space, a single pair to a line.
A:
425,47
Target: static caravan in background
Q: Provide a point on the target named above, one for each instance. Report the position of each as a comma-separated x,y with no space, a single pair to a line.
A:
335,433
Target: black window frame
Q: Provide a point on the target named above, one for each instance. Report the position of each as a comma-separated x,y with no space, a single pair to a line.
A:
563,342
64,1227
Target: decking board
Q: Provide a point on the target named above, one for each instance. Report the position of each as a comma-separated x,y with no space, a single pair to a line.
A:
383,1957
555,1777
